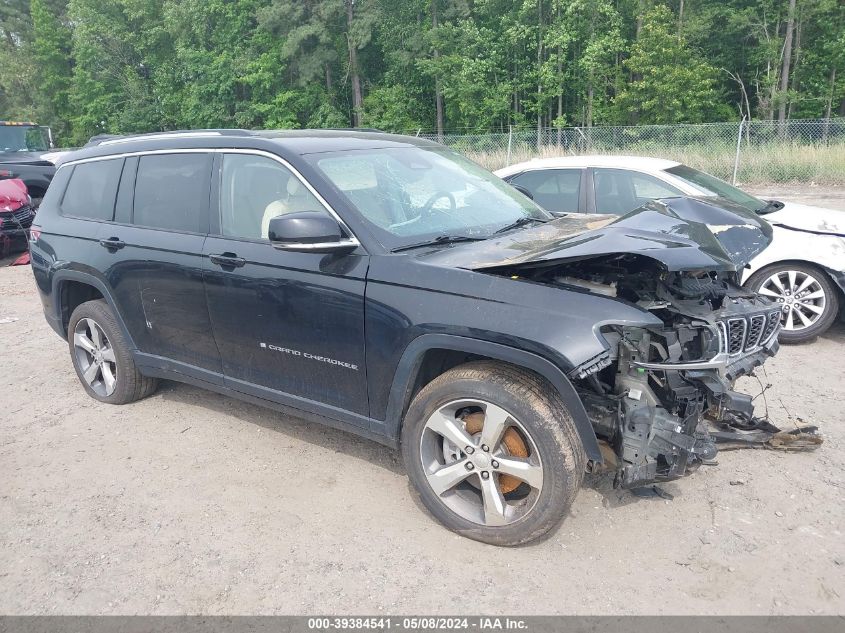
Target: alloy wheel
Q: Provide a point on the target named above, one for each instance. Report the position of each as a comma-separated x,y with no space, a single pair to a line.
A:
802,298
95,357
481,462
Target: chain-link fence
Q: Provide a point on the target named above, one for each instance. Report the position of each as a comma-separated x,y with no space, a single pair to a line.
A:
751,152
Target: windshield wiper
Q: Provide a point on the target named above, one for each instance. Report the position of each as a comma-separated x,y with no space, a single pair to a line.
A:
518,223
440,239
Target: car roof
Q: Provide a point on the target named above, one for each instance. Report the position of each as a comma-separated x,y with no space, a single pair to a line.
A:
643,163
290,141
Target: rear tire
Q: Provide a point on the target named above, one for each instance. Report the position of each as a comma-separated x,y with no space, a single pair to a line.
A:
809,300
102,357
536,465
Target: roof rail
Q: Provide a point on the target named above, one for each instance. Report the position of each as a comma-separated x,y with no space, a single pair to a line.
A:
112,139
346,129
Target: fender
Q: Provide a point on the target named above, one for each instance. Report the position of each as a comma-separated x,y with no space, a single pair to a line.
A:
409,365
837,276
61,276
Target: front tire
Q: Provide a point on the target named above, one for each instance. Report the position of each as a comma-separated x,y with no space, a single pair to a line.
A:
102,357
493,453
808,300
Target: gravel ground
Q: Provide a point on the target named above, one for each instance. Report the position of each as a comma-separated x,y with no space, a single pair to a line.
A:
190,502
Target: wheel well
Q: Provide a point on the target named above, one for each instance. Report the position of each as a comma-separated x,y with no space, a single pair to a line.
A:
795,262
72,295
790,262
433,363
799,262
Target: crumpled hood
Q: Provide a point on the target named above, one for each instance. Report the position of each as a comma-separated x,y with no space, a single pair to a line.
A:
681,233
803,217
13,194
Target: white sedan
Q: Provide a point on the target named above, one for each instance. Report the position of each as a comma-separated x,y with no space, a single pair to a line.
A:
803,268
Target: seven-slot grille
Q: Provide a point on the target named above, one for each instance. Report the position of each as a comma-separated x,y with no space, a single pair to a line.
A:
772,325
746,334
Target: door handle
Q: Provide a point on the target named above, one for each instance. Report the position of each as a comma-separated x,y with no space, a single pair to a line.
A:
112,243
227,260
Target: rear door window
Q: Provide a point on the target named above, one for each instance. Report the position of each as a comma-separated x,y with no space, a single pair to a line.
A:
92,189
556,190
171,192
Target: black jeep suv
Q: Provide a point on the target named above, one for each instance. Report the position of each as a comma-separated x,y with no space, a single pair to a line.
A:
389,287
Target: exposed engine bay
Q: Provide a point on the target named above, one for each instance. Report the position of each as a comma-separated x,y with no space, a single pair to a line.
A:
675,330
661,398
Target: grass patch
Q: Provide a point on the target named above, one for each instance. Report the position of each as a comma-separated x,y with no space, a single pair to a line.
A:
821,164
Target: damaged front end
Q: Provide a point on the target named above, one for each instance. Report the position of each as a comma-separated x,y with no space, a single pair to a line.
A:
659,391
660,396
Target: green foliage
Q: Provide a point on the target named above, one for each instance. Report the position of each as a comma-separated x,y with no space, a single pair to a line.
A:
91,66
671,84
591,30
308,32
51,53
473,75
392,109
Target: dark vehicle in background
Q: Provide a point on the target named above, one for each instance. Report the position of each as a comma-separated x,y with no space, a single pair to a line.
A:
22,149
387,286
16,215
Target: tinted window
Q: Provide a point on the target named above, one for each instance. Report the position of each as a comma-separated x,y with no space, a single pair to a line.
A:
619,191
553,189
255,189
171,191
92,189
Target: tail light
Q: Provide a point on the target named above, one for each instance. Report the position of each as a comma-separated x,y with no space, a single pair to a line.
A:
34,233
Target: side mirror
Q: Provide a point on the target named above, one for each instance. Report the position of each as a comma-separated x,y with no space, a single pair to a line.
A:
522,190
308,232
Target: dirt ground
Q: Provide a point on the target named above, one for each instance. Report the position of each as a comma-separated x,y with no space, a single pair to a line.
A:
190,502
829,197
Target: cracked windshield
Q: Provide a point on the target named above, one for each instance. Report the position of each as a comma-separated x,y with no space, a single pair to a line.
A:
411,195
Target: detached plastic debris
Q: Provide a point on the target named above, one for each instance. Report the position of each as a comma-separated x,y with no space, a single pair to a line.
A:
760,433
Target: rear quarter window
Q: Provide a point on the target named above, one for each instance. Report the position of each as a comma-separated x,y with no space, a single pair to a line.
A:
92,189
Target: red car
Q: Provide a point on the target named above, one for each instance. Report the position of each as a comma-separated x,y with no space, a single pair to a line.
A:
16,215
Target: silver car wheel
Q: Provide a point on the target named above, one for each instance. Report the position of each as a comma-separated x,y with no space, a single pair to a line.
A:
481,462
95,357
802,298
